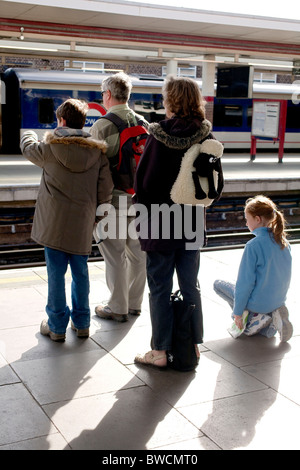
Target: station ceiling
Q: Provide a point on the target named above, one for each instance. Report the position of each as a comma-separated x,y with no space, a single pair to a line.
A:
115,30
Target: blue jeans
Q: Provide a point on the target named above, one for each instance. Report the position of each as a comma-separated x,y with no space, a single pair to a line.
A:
225,290
57,309
160,271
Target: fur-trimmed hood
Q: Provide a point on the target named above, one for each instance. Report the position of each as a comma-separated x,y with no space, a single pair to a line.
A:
175,133
67,136
75,149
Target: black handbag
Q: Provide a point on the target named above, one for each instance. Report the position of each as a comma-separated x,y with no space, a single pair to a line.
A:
183,355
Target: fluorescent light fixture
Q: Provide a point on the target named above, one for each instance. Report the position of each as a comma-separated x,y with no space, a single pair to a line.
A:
274,66
28,48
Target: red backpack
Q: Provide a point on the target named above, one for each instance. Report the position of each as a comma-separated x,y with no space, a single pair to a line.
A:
132,142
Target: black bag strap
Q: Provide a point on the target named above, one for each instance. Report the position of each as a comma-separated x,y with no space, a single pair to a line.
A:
121,125
115,120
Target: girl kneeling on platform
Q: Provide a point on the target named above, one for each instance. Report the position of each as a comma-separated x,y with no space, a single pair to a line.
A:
259,295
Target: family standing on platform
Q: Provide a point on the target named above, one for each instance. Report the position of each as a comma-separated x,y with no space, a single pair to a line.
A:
82,171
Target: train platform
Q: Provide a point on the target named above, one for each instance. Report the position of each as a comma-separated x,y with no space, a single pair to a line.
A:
88,394
19,178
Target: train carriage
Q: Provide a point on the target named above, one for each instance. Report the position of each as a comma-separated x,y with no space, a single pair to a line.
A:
32,96
29,99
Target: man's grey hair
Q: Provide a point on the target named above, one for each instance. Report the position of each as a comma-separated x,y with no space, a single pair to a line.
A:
119,85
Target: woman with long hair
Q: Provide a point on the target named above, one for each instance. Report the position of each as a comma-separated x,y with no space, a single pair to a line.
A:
168,246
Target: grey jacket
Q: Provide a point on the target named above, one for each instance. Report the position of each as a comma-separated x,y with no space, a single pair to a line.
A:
75,180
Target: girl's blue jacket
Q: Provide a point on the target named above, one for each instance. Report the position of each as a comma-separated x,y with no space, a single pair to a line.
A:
264,275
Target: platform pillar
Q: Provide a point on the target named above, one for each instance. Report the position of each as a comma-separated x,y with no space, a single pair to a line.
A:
172,66
208,76
208,85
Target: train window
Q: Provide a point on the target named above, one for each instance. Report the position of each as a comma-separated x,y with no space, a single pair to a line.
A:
228,115
46,110
148,105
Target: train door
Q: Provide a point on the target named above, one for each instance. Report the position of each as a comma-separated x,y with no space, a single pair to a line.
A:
11,113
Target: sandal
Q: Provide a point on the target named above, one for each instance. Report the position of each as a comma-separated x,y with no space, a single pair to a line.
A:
149,359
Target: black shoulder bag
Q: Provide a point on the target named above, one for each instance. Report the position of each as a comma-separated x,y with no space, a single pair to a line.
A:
182,356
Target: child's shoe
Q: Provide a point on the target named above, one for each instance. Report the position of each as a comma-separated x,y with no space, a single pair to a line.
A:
45,331
257,322
81,333
282,323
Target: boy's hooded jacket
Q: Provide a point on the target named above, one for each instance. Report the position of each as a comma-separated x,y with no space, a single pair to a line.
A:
75,180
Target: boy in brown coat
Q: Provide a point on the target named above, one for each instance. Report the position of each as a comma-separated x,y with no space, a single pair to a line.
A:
75,180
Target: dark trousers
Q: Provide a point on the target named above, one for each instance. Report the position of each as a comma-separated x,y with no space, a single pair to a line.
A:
161,267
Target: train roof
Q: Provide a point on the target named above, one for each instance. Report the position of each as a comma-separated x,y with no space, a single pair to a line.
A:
142,81
76,77
278,88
